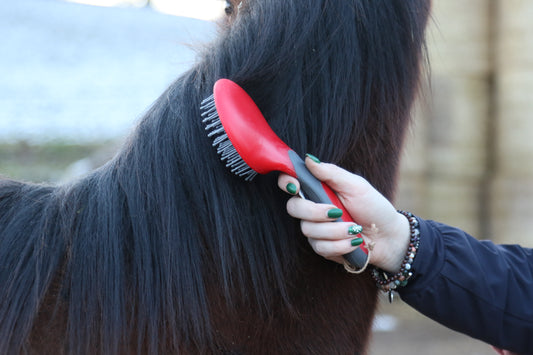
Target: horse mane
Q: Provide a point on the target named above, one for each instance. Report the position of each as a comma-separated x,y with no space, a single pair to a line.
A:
163,250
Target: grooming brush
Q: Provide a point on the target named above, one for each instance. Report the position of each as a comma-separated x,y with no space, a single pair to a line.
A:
248,146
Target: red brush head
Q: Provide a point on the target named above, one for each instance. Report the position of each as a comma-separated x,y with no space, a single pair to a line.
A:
253,145
251,136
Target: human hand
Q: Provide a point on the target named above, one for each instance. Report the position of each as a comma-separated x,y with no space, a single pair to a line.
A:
383,227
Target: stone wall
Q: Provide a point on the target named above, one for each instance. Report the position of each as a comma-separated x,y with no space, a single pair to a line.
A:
467,161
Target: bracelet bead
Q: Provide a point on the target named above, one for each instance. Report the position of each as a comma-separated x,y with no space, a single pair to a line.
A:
388,282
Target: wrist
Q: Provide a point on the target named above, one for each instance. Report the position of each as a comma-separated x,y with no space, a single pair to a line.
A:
398,242
387,282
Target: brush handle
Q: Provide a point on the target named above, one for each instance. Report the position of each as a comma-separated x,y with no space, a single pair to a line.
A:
316,191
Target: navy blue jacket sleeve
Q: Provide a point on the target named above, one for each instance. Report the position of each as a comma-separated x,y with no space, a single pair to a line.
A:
475,287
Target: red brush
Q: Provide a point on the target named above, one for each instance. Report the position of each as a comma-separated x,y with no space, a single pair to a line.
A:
249,146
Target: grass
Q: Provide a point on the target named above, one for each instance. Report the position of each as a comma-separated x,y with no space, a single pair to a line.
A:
45,162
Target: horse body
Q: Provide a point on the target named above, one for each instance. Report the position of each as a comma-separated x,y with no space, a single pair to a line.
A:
163,250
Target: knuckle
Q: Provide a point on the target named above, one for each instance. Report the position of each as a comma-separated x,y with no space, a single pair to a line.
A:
323,248
319,248
292,206
306,228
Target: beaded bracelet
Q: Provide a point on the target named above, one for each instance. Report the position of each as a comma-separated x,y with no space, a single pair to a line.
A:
387,282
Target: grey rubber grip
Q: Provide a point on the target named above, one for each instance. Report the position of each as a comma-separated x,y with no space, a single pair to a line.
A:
313,190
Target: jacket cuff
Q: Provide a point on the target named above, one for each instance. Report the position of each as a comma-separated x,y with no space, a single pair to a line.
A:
429,259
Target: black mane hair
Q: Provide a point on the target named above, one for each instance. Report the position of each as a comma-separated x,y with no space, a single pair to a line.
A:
163,250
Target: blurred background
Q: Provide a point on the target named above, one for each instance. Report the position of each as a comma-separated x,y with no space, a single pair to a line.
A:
68,67
468,161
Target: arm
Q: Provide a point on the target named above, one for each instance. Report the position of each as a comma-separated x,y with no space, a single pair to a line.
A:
475,287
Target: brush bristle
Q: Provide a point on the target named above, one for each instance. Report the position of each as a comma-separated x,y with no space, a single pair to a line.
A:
225,148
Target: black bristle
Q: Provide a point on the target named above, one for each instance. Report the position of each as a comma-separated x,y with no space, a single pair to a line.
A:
223,144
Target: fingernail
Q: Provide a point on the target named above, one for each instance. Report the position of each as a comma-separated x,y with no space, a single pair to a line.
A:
313,158
334,213
355,229
357,241
291,188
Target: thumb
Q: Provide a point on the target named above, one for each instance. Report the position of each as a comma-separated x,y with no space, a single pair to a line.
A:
337,178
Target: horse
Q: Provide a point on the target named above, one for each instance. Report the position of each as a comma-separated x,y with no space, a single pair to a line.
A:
162,250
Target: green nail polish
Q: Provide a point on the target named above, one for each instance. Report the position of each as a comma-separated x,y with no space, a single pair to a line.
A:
335,213
291,188
313,158
357,241
355,229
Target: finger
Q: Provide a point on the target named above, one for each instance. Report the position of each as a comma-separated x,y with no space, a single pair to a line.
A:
332,250
311,211
334,176
331,230
288,184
